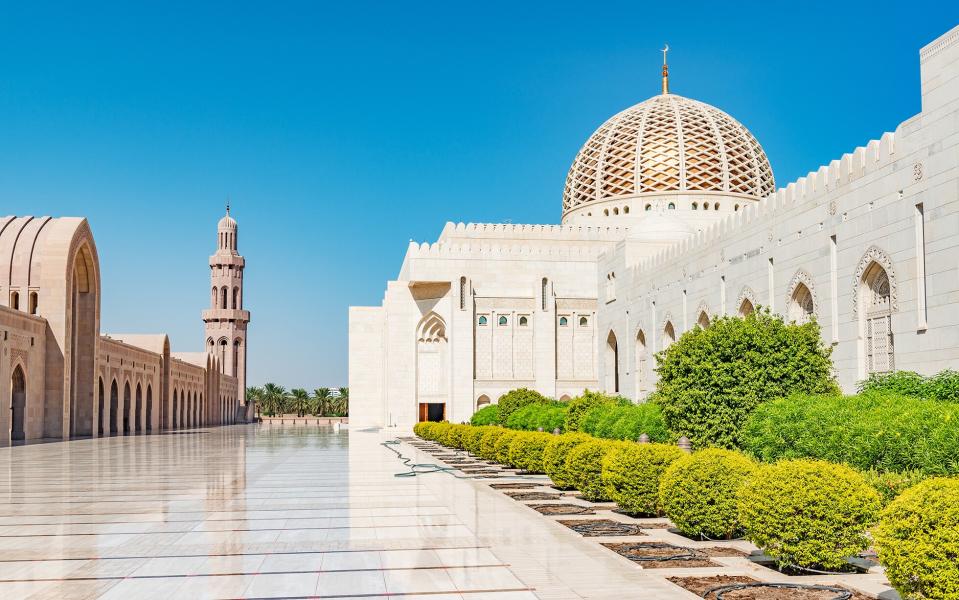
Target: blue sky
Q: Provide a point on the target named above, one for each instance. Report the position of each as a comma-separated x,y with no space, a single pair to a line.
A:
341,131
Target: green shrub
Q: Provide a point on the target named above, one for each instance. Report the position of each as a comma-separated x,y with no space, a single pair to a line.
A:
587,401
711,379
487,447
473,438
514,400
943,386
488,415
890,484
918,540
699,491
554,458
526,450
868,431
808,513
454,436
419,429
503,443
631,474
626,422
532,416
585,465
439,431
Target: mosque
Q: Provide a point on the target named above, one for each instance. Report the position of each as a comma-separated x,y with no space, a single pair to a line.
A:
671,217
62,379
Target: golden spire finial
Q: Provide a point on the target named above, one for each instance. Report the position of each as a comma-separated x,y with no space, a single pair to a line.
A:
665,70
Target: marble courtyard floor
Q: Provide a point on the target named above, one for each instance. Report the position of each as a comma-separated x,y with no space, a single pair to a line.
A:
281,512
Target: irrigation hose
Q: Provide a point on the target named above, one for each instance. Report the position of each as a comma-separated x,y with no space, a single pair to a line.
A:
427,468
720,591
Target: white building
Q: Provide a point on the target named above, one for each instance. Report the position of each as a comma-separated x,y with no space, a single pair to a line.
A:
670,217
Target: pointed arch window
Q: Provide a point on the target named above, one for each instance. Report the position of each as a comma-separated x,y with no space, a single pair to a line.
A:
563,321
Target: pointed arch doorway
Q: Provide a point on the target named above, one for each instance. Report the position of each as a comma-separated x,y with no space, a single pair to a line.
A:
432,368
18,405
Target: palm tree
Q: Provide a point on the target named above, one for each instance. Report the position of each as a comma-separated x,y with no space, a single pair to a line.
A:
344,408
299,400
322,396
255,395
273,398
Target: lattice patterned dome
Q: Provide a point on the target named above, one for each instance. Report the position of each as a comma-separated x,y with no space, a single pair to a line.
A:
683,146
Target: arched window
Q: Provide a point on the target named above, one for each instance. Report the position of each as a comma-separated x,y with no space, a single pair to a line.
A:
715,205
175,407
583,321
34,301
736,208
523,321
100,408
126,408
876,310
236,297
640,363
671,206
114,407
563,322
801,305
223,297
482,321
15,300
616,211
746,308
626,210
669,335
223,346
462,293
138,411
503,321
213,296
606,212
612,364
149,408
705,205
482,401
236,358
695,206
543,294
648,207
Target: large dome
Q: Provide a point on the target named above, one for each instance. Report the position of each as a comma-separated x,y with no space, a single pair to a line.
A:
668,144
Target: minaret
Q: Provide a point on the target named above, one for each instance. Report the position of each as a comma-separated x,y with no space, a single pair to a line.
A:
225,320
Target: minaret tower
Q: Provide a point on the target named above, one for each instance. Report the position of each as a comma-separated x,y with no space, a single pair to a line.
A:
226,320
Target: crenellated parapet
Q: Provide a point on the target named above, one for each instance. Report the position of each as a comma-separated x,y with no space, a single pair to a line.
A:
529,231
813,189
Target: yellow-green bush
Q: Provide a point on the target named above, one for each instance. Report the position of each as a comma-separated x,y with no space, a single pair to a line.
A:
473,437
554,457
502,446
420,429
526,450
631,473
487,447
699,491
438,432
454,437
918,540
809,513
585,465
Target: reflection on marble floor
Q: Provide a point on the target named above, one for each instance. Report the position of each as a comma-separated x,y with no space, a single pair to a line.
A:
271,512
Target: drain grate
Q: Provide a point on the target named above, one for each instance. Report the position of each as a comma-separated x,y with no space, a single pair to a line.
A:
661,555
525,496
561,509
603,528
513,486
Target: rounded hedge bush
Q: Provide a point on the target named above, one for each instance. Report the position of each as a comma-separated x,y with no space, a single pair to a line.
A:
488,415
626,422
487,447
526,450
554,458
699,491
549,416
711,379
514,400
503,443
631,474
454,436
918,540
808,513
473,438
439,431
585,465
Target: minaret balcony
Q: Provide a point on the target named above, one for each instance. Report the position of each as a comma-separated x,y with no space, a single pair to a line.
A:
226,314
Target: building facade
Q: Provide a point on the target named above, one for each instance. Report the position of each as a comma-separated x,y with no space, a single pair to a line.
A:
61,378
671,217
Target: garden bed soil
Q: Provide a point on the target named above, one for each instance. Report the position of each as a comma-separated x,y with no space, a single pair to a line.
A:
602,527
701,585
527,496
561,509
659,555
514,486
700,538
853,567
